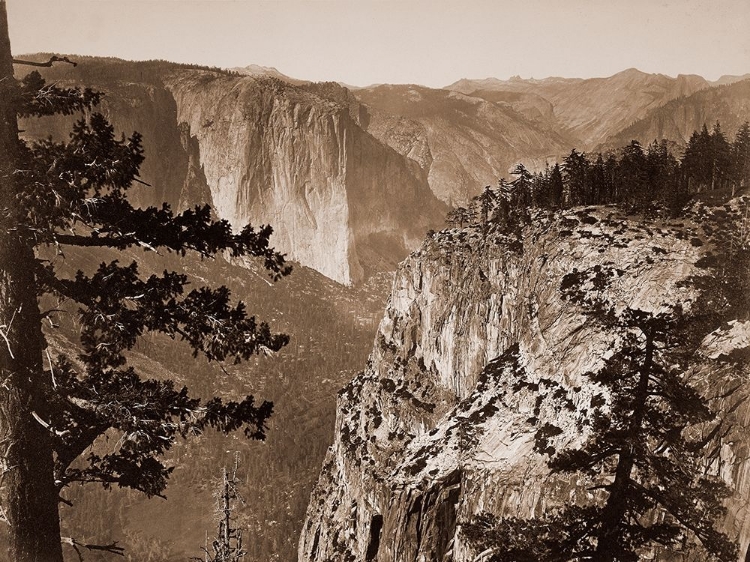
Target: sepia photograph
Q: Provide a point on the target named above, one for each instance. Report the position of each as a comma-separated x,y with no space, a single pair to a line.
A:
375,280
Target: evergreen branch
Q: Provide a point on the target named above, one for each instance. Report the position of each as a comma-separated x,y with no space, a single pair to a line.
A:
713,540
114,223
86,181
37,98
115,242
149,415
118,225
119,307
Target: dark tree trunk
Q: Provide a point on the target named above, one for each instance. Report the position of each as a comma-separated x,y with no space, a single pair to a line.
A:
616,507
28,496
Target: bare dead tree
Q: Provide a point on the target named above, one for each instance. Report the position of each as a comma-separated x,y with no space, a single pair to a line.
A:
227,546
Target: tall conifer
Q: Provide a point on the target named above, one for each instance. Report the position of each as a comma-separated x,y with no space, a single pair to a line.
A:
59,194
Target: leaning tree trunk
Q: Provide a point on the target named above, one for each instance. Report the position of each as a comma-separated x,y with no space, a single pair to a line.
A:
28,496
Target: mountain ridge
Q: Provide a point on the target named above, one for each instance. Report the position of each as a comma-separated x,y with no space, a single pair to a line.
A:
461,142
593,109
299,159
676,120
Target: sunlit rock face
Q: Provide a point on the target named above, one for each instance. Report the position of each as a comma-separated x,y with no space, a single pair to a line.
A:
293,157
475,340
263,150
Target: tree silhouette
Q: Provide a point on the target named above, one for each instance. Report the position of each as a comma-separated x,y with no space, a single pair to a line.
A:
459,217
574,171
697,161
741,157
486,202
227,546
640,457
633,175
74,193
523,186
556,187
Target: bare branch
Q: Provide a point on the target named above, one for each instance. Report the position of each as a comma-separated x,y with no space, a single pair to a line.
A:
111,548
49,63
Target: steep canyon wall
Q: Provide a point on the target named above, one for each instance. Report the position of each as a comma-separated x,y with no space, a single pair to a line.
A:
476,336
264,151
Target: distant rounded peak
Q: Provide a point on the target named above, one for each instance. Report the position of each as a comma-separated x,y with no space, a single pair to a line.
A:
474,83
633,74
400,87
261,68
730,79
260,71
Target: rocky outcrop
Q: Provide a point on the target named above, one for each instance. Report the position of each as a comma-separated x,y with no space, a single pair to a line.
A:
475,342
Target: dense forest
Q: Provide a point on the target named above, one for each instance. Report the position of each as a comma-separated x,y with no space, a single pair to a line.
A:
636,178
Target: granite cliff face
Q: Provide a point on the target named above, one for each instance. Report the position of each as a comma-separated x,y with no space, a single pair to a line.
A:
339,201
475,340
267,151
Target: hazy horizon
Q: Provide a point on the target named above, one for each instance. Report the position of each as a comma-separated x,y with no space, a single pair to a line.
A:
365,42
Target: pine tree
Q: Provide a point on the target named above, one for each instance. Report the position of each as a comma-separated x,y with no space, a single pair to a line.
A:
632,173
59,194
598,180
741,157
556,187
458,217
523,187
227,546
574,172
697,161
721,158
612,189
486,201
641,457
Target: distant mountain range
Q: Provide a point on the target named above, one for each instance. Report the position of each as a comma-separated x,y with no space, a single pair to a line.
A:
594,109
730,79
462,142
676,120
473,131
351,179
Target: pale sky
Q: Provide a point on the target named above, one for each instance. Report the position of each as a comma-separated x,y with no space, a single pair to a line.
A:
434,42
